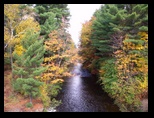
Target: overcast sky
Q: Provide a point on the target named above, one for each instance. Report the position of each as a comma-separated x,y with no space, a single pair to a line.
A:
79,14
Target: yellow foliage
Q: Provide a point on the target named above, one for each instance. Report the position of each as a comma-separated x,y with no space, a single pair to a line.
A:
133,65
45,77
44,95
86,49
57,81
6,54
143,85
11,11
29,23
144,36
19,49
16,28
6,34
21,31
57,64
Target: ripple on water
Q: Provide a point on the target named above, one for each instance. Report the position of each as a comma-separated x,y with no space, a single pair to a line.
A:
84,95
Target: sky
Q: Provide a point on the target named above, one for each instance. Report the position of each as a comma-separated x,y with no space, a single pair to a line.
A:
79,14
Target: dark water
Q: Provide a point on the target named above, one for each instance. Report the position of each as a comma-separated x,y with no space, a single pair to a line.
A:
82,94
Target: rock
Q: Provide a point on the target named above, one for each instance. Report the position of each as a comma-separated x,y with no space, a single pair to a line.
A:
51,109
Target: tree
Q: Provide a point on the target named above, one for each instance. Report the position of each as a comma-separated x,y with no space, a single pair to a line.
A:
50,16
87,51
120,38
15,28
50,24
56,60
60,55
106,30
11,20
29,86
28,65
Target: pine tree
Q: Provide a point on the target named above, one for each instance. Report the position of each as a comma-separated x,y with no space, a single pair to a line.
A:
28,65
50,16
105,27
29,86
50,24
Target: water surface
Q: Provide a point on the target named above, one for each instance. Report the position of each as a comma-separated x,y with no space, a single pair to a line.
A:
81,94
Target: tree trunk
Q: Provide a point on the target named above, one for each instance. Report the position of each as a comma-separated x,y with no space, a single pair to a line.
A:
11,61
60,62
11,48
30,97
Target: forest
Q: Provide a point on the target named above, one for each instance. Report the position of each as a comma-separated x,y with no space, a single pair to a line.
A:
39,54
114,46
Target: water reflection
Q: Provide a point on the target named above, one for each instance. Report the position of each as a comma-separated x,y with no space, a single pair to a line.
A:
84,95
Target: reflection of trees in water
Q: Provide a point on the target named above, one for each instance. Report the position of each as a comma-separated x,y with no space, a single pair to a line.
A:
78,71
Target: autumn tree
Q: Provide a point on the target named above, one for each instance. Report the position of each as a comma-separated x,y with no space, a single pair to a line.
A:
11,20
60,52
15,28
87,51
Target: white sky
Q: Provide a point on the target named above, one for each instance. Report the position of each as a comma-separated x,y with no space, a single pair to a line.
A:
79,14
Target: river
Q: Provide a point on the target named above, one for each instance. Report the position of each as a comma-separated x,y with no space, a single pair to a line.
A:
80,93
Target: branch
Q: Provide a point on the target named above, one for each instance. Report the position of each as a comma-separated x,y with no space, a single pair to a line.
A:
19,33
13,38
5,46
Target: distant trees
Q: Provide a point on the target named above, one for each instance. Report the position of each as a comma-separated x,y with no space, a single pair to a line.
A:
86,49
119,39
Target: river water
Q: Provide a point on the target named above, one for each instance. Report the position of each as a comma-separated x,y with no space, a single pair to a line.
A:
80,93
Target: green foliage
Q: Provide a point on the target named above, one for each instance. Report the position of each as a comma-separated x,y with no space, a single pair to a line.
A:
27,86
110,74
28,65
7,60
29,105
105,25
23,36
50,16
135,41
119,36
124,92
55,103
50,23
54,89
31,58
143,28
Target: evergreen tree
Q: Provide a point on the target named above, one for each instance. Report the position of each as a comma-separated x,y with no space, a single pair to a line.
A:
28,65
28,86
50,16
120,37
104,27
50,23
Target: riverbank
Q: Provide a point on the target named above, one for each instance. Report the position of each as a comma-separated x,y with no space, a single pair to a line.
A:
14,102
